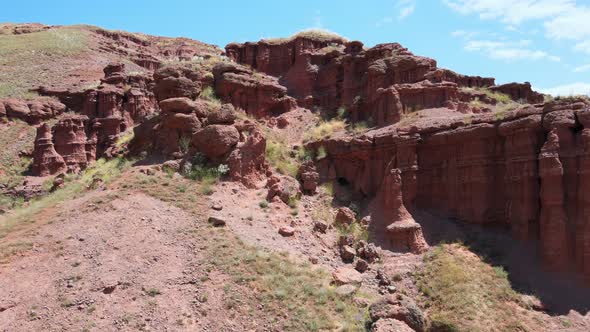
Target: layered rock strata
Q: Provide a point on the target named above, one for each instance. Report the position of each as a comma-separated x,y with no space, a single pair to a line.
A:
525,172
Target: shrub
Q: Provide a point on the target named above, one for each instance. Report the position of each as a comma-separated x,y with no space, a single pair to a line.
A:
325,129
209,94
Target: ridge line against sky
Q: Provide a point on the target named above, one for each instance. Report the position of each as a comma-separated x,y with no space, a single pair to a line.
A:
546,42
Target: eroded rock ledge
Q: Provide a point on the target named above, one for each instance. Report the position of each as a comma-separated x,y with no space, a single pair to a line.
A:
527,172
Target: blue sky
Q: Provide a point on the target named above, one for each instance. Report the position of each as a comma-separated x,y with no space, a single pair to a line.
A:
546,42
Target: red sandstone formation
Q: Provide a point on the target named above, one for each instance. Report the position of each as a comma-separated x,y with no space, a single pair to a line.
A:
246,162
378,85
46,160
69,137
31,111
524,171
402,232
258,94
520,92
118,103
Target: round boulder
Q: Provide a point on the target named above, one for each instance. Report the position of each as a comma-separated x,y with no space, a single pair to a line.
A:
216,140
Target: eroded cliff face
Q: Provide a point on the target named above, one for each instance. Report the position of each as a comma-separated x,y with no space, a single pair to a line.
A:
102,114
526,172
377,85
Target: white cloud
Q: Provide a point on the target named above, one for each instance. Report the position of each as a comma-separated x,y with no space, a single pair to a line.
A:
509,51
583,46
464,34
511,11
383,21
578,88
406,8
582,69
562,19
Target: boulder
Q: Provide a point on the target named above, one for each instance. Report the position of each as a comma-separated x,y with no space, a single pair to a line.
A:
346,275
320,226
215,141
283,187
345,216
391,325
226,114
309,177
287,231
398,307
216,221
178,105
347,253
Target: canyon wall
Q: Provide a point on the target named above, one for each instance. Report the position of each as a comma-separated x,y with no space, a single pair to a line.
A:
377,85
526,172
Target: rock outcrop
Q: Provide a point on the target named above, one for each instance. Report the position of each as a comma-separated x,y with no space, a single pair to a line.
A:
378,85
31,111
522,92
523,171
104,113
46,160
258,94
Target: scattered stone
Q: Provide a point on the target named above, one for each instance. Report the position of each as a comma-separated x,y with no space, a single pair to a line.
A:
217,207
347,253
391,325
171,164
361,265
398,307
345,290
345,216
346,275
383,278
287,231
313,259
368,251
216,221
320,226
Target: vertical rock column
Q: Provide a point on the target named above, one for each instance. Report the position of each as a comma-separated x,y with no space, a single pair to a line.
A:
70,142
407,162
521,146
404,233
553,219
583,213
46,161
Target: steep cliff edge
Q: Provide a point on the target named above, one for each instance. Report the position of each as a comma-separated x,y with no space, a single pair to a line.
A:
525,172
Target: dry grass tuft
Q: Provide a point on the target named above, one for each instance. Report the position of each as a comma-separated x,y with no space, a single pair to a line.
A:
315,34
463,293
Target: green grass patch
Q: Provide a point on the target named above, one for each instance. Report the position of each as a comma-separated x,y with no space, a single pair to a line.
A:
106,171
299,292
463,293
25,57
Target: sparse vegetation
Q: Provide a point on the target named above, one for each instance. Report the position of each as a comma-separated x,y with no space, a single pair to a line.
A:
465,294
316,34
298,292
27,52
209,94
282,157
325,129
106,171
